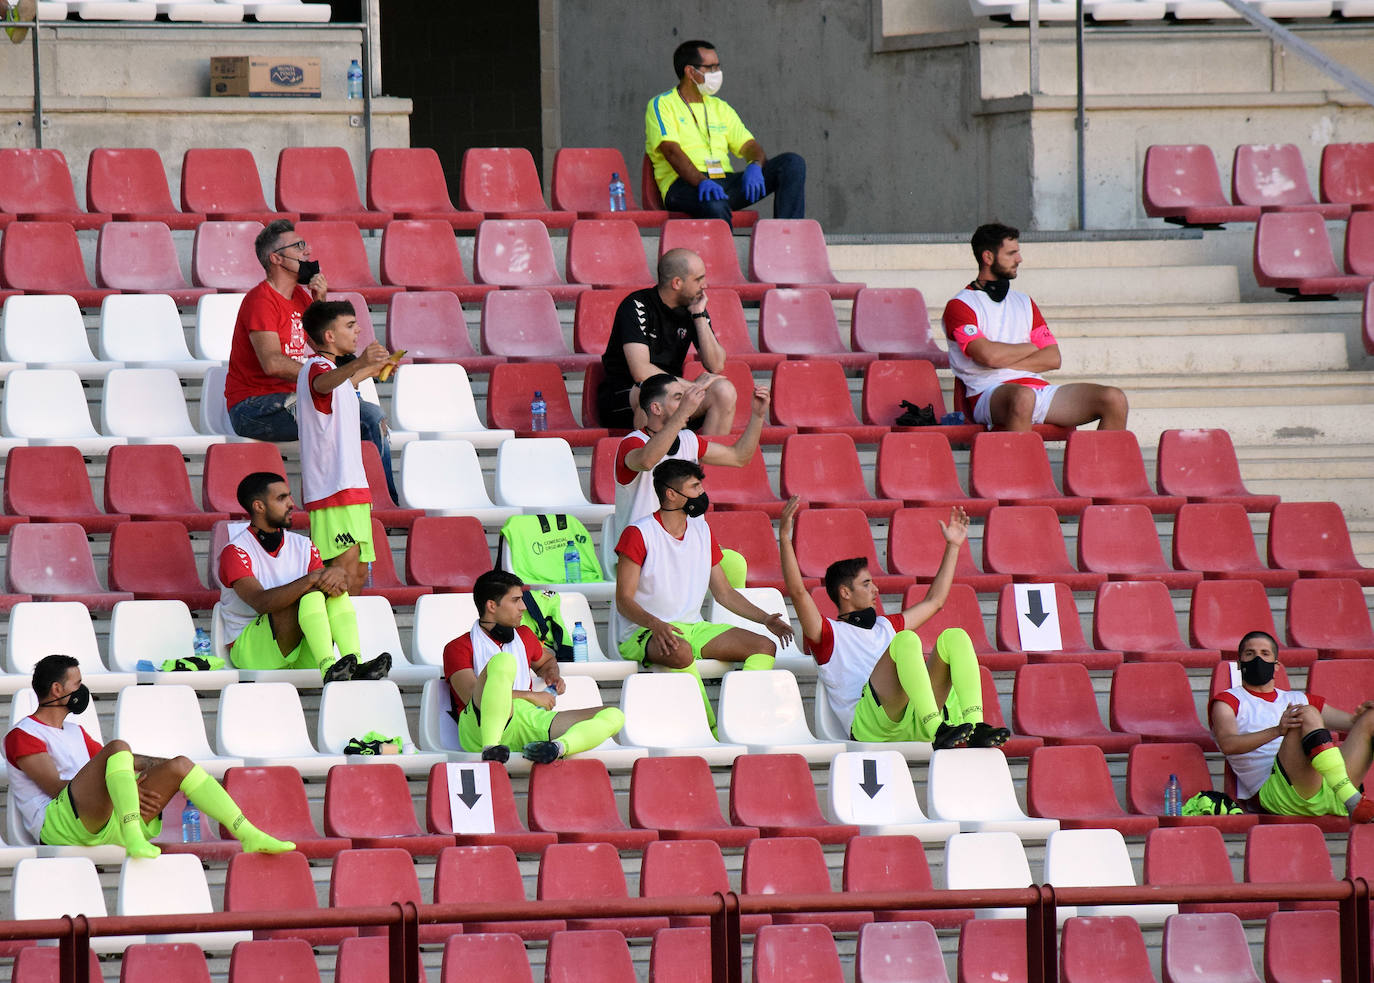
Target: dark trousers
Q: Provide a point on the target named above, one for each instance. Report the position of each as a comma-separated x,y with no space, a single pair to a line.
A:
784,177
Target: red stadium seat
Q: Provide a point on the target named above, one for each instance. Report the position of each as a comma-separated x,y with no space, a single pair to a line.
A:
916,546
409,182
742,488
1155,700
1312,538
222,256
1073,785
813,396
774,793
1026,542
887,383
370,805
45,258
594,313
792,253
825,535
338,247
285,960
1138,618
796,954
488,875
1075,649
1289,853
893,322
677,797
1014,469
680,955
1196,855
1273,178
153,962
749,533
365,960
891,865
1182,185
154,562
140,258
794,865
918,468
384,580
318,184
602,488
447,552
1098,948
149,481
587,871
36,185
1106,466
1216,540
263,882
224,185
384,507
587,956
1359,852
899,952
732,331
430,326
710,238
581,183
422,254
52,561
992,950
225,466
1056,702
1209,947
1367,319
607,253
130,185
961,610
1332,617
273,799
689,867
1120,541
800,323
1347,174
1344,683
653,197
962,404
743,380
50,484
573,799
523,326
508,830
1148,768
1224,610
517,253
371,879
824,470
502,183
513,385
1201,466
1293,255
1359,244
489,956
1302,945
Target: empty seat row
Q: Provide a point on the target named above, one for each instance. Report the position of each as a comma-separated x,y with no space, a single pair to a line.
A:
197,11
1293,254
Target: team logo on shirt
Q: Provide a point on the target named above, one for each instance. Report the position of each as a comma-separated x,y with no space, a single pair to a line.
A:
970,329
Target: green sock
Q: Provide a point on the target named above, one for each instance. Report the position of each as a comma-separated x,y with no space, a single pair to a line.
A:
319,643
496,697
735,568
759,662
955,649
211,798
1331,766
705,700
587,734
907,655
343,625
122,785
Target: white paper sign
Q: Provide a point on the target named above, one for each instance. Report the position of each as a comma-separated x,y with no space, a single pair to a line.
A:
469,797
1037,618
870,795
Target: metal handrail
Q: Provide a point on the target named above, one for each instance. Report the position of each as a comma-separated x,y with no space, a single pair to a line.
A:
1282,35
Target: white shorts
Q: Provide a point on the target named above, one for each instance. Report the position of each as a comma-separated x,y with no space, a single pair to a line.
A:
1043,397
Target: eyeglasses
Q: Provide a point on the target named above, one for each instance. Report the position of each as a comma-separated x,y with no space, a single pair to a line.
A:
298,244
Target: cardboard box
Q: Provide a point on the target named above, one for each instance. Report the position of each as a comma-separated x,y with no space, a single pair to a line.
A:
243,75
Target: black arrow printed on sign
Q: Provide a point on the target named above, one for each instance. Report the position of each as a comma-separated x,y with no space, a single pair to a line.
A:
870,783
469,794
1037,614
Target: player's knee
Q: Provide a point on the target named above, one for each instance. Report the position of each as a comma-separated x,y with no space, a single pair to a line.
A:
1112,402
115,746
181,765
680,657
722,393
719,208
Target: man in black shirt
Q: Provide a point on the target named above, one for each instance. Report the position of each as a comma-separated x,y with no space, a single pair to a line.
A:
653,330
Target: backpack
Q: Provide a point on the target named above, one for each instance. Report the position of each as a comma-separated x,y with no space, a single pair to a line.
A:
532,548
544,616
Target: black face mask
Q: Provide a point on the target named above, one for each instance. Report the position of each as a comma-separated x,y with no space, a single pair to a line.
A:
503,634
996,289
76,701
1257,672
865,619
306,270
695,507
270,541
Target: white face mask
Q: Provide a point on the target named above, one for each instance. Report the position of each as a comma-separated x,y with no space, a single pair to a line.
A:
710,82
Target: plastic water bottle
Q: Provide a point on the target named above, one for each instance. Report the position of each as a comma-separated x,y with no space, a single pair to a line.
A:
572,564
617,192
579,642
202,644
1173,797
190,823
539,413
355,80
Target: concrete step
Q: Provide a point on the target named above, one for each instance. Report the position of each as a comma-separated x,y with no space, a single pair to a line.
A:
1094,285
1214,354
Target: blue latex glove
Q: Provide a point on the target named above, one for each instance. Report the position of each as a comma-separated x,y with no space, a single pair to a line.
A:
708,190
753,183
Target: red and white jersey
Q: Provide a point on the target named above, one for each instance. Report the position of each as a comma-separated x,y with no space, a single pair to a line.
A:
71,748
845,656
674,573
972,314
475,649
1255,712
634,490
243,557
331,449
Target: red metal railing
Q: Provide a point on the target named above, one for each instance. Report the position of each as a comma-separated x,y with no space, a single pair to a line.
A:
402,920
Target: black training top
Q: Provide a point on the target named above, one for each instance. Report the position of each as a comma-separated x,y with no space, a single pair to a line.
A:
643,318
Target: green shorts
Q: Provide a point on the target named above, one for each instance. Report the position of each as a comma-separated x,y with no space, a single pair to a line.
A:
256,648
527,723
871,722
333,530
61,827
697,633
1278,796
